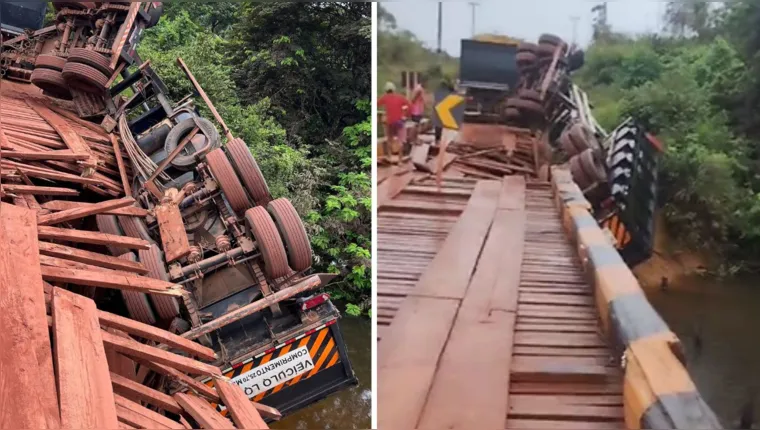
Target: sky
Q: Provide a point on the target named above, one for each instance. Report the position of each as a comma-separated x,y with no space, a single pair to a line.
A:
526,19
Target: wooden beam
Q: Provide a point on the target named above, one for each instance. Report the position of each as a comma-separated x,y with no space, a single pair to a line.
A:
132,348
70,137
181,379
47,260
39,191
27,382
156,334
244,414
45,173
93,258
86,396
202,412
62,205
120,164
110,280
60,155
173,234
240,313
140,393
92,237
141,417
81,212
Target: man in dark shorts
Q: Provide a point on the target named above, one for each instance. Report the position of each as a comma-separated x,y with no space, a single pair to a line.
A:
396,107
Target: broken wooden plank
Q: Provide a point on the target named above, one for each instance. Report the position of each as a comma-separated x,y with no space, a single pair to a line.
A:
93,258
92,237
132,348
39,191
27,384
81,212
70,137
60,155
45,173
61,205
141,417
173,234
140,393
392,187
244,414
110,280
202,412
120,164
181,378
156,334
86,396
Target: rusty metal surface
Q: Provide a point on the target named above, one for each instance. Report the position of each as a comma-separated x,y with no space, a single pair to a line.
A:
411,228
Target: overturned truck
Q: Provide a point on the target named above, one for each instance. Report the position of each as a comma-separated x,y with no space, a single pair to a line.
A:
203,206
528,85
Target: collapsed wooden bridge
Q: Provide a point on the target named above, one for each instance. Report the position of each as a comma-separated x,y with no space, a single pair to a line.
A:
502,304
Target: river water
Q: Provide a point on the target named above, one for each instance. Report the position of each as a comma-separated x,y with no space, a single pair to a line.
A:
725,314
352,407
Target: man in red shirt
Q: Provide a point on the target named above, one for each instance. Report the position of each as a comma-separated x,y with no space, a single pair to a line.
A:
396,106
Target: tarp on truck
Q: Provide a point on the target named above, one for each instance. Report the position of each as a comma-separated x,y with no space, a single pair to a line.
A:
17,16
488,63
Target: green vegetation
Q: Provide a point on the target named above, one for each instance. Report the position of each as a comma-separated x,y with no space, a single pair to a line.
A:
293,80
697,88
399,50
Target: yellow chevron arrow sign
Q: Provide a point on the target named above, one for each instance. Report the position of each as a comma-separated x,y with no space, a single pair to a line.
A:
443,109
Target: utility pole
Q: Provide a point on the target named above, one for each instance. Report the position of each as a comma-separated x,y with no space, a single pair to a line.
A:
440,24
473,5
575,19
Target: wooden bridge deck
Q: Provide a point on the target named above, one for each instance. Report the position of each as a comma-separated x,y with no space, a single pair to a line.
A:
485,317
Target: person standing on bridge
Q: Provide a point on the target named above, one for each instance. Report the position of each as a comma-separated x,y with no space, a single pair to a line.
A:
396,107
418,101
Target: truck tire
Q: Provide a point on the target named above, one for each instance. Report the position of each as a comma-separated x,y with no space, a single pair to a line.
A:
579,175
228,180
526,58
546,50
51,62
567,145
91,58
527,94
138,306
512,113
186,160
52,82
582,137
527,47
135,227
166,307
526,106
550,39
108,224
592,167
155,15
268,241
249,172
293,233
84,78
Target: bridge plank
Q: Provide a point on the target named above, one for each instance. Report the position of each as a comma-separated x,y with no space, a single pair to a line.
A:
27,383
82,377
478,397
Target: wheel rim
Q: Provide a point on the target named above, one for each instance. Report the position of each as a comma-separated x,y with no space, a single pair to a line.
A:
269,242
293,234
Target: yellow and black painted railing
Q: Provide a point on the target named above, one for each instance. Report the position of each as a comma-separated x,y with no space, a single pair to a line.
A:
658,392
